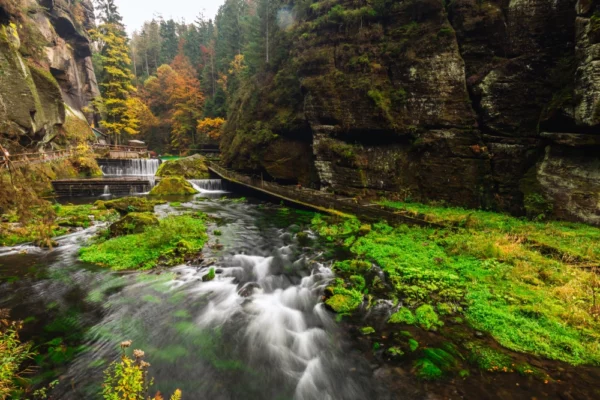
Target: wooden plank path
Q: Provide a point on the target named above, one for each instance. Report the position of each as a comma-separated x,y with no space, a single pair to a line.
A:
317,200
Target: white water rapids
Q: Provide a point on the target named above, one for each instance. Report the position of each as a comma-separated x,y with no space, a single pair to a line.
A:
257,331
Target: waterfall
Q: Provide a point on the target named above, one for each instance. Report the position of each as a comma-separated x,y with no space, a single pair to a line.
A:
106,190
135,167
207,185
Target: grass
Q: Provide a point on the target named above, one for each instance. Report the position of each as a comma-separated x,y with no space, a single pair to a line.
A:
175,238
517,280
574,241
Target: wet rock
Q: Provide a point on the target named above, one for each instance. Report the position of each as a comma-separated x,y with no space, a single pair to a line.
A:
173,185
127,205
248,289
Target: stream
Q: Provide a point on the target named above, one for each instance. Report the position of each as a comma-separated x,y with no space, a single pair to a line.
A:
257,331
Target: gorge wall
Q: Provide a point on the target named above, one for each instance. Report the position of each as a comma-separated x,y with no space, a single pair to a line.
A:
47,79
489,104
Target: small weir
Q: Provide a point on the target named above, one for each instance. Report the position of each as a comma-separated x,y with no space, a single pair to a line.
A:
136,167
208,185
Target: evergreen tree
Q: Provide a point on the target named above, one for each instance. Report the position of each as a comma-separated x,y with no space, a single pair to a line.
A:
170,41
109,13
116,84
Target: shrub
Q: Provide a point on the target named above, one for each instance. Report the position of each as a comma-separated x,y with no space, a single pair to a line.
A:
128,378
13,354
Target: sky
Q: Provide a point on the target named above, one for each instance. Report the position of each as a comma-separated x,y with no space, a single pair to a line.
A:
135,12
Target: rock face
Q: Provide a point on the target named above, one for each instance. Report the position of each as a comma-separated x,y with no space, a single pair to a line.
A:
45,59
489,104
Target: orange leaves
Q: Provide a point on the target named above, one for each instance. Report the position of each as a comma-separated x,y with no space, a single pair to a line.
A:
211,127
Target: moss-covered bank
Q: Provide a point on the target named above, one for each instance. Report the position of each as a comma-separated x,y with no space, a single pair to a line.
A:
46,222
486,280
171,242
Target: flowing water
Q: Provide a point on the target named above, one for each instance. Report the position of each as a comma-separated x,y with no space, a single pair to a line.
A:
257,331
134,167
207,185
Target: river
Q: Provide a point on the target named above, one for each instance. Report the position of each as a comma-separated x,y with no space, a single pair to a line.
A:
258,331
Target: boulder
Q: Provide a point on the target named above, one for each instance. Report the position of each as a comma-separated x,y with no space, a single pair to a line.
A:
173,185
193,167
133,223
127,205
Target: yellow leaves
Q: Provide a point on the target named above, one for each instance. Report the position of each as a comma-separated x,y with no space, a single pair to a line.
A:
237,65
128,380
211,127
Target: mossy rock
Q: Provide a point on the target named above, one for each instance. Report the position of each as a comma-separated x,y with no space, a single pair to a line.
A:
173,185
127,205
193,167
133,223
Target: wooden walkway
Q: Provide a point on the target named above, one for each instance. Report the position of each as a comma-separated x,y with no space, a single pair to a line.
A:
317,200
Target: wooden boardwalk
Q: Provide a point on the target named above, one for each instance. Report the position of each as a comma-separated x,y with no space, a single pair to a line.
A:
317,200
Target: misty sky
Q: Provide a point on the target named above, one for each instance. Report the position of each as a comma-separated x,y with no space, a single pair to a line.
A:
135,12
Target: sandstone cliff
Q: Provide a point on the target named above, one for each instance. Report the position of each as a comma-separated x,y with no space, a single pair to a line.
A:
476,103
46,75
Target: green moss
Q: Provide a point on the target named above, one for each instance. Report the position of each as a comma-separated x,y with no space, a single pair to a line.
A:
193,167
133,223
343,300
126,205
427,318
505,276
395,352
209,276
173,185
427,370
169,243
489,359
413,344
402,316
367,330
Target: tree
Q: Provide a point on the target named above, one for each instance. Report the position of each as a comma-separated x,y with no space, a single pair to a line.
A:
211,127
109,13
186,101
170,41
116,81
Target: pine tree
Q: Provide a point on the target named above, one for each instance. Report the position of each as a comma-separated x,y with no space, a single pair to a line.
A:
116,78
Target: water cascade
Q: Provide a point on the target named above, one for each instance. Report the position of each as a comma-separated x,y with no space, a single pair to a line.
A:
208,185
137,167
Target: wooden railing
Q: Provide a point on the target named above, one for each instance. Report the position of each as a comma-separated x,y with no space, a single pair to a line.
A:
114,147
34,158
317,200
